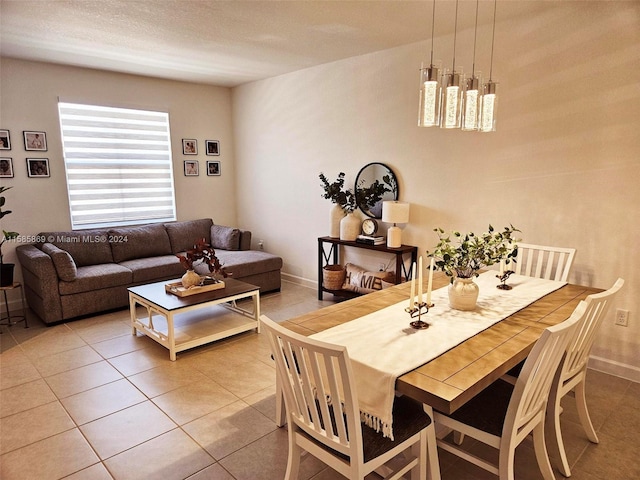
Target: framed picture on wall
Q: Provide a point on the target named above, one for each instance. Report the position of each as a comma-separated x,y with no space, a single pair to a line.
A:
189,146
6,167
35,141
191,168
5,140
38,167
213,168
213,147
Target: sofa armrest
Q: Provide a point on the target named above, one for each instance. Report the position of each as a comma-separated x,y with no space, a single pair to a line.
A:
245,239
41,282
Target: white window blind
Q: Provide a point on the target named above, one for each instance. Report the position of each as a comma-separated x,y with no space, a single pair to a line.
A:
118,165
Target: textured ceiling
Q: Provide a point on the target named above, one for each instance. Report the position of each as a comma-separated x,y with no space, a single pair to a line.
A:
225,43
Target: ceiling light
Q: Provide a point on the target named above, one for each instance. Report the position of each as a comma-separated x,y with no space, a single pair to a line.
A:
430,88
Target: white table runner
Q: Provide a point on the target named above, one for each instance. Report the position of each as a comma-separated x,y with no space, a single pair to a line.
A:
382,346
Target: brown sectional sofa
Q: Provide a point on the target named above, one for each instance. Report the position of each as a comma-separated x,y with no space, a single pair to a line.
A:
71,274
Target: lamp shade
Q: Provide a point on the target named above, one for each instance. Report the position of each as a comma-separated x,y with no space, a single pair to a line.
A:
395,212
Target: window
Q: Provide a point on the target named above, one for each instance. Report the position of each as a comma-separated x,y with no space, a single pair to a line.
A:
118,165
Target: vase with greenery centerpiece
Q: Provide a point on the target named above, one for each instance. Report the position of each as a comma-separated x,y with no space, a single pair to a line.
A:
203,253
344,201
6,269
461,256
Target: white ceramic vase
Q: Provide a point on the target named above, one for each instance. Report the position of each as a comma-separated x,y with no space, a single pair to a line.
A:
463,294
190,279
349,227
337,214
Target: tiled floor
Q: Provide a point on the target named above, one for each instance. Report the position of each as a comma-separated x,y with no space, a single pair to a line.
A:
87,400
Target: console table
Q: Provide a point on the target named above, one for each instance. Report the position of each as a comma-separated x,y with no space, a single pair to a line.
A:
331,256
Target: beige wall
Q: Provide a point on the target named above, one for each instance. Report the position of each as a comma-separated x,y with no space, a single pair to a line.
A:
29,101
563,166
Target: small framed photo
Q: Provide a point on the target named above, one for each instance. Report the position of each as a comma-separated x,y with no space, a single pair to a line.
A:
5,140
191,168
189,146
38,167
6,167
213,147
213,167
35,141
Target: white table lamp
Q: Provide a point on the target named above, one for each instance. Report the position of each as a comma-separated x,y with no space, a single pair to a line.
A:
395,212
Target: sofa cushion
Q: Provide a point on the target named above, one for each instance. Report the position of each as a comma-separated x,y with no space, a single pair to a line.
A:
97,277
183,235
139,242
153,269
62,261
86,247
226,238
243,263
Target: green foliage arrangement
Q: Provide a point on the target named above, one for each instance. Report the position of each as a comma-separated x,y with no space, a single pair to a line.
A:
5,234
337,194
462,256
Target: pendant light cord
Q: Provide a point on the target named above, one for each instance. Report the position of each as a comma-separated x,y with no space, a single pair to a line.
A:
433,23
493,37
455,35
475,38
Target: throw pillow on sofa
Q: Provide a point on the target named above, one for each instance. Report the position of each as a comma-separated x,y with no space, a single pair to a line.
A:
62,261
225,238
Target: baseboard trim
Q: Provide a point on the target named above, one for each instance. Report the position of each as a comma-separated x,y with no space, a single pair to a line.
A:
612,367
287,277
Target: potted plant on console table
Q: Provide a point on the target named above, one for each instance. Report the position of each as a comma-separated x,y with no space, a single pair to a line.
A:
6,269
204,253
346,227
462,256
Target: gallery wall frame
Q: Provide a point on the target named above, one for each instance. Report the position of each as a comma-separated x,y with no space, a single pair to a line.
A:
38,167
213,168
189,146
5,140
6,167
35,141
213,147
191,168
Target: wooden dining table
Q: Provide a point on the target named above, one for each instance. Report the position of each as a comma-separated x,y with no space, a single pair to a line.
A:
448,381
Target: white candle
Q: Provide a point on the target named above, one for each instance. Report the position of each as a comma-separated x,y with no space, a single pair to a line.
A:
413,285
501,267
420,280
431,265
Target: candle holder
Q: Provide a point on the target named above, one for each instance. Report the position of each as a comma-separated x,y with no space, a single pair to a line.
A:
503,278
418,310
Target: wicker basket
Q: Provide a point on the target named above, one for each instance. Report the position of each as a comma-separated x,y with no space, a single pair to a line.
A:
333,277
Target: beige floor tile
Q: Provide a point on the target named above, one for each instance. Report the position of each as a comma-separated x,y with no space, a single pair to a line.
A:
140,360
264,401
212,472
121,345
50,340
16,370
171,456
229,429
165,378
241,379
25,397
81,379
612,459
68,360
126,428
33,425
94,472
105,330
48,459
194,401
101,401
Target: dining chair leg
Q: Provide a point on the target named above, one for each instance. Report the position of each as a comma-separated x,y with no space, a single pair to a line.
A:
583,412
555,432
419,450
281,411
542,455
295,452
432,446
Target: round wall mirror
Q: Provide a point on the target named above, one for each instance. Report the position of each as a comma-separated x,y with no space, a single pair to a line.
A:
375,183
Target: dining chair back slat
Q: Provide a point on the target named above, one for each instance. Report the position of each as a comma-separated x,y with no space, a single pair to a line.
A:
550,263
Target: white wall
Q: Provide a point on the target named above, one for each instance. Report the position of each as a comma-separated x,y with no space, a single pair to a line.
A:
563,166
29,101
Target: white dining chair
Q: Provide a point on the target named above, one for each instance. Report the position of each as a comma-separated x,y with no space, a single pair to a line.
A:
551,263
503,415
573,371
323,418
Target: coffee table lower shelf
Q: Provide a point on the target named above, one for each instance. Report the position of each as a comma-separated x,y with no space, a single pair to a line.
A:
190,326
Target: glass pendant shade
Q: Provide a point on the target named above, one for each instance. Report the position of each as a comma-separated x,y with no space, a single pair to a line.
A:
452,100
488,107
430,97
471,113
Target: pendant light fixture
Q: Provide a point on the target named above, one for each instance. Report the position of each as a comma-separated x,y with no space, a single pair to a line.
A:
489,100
430,88
471,113
452,84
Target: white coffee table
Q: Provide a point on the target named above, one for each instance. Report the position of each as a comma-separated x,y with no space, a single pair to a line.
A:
180,323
